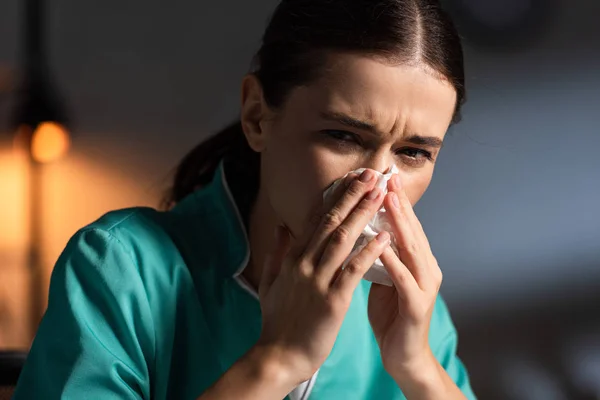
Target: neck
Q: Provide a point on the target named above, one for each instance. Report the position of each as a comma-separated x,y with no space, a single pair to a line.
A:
262,224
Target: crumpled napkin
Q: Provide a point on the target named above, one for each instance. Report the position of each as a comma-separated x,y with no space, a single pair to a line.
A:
380,222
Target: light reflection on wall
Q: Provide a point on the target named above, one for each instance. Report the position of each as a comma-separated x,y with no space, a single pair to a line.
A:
14,223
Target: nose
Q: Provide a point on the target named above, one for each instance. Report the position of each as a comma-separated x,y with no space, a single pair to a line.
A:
380,162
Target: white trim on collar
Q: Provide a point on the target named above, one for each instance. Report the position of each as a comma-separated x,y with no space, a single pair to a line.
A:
238,215
237,276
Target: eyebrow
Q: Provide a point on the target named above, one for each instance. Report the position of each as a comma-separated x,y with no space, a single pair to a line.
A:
351,122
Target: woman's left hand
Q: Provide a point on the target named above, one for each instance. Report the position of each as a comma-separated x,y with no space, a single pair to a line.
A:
400,315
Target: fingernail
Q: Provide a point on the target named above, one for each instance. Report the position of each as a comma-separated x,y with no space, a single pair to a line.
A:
383,237
373,194
395,200
366,176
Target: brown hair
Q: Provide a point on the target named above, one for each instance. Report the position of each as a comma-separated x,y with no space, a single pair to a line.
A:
295,41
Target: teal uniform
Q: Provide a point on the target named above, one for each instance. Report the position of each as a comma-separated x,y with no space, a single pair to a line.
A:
149,305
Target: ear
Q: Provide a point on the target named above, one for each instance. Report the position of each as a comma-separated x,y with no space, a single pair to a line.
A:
254,113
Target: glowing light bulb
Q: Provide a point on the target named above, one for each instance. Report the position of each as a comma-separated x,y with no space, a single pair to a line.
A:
50,141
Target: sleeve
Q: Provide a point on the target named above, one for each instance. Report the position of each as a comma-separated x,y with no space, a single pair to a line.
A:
444,343
96,339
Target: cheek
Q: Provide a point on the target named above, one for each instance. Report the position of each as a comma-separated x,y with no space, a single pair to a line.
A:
293,181
415,186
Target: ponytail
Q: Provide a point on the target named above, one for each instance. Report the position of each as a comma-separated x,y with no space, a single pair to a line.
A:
199,165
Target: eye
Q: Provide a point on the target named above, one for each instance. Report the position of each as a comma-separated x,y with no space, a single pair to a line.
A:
342,141
342,135
414,156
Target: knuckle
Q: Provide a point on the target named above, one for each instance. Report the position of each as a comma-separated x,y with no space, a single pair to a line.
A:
332,219
350,268
365,209
354,266
438,276
340,235
305,270
411,248
400,277
322,290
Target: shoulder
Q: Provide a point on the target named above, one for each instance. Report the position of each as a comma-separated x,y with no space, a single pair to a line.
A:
130,226
123,234
128,259
141,232
126,251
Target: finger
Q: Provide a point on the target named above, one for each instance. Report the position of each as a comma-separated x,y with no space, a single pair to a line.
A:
338,192
343,239
410,248
333,218
350,276
274,260
403,279
395,185
314,221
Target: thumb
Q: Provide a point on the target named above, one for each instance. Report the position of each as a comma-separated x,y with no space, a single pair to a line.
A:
274,260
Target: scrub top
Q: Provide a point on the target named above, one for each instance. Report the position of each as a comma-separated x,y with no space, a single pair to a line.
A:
146,304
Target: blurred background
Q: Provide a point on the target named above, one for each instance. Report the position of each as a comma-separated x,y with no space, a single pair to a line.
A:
512,214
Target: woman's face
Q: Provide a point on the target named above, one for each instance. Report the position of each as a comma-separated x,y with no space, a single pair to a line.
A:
360,113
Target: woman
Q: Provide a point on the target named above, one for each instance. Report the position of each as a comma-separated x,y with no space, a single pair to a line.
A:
237,292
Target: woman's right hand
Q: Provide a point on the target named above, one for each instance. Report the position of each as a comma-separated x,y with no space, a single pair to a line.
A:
304,293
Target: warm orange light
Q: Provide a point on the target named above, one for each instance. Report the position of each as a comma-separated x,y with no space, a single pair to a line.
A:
50,141
14,231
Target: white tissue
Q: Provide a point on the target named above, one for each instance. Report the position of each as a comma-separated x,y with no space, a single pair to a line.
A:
379,223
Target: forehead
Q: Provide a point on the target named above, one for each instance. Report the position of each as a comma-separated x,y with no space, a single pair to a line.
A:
390,96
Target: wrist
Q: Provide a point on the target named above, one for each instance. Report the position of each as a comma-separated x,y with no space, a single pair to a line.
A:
267,364
421,373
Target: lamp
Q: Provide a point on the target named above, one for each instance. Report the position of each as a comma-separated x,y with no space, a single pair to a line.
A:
40,117
40,123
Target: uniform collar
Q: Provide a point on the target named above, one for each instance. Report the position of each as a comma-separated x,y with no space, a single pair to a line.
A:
212,224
